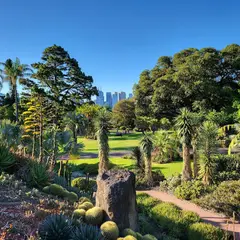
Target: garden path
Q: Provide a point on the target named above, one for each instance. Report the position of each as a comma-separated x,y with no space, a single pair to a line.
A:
207,216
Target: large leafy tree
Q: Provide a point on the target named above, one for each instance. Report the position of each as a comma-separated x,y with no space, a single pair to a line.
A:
14,71
185,130
124,114
65,85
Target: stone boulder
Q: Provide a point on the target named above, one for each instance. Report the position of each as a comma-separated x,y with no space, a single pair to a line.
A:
116,195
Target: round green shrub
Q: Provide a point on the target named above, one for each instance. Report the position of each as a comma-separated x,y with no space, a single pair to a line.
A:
189,217
128,231
72,197
204,231
94,216
57,190
109,230
149,237
79,213
129,237
46,189
86,206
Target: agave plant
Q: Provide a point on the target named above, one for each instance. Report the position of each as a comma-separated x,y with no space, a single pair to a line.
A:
86,232
55,227
7,159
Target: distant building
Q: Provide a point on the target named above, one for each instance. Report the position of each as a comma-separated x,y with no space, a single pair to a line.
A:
100,98
122,96
114,99
130,95
109,99
2,96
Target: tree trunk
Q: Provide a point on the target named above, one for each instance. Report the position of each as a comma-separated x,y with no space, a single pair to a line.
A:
33,145
103,161
74,135
54,153
195,160
16,101
41,140
148,171
187,171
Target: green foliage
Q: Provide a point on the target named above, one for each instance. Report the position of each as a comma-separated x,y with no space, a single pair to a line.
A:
94,216
128,231
72,197
191,190
55,227
203,231
109,230
86,205
7,159
139,236
57,190
46,189
149,237
129,237
137,155
84,184
86,232
170,184
79,213
224,199
38,175
83,200
189,217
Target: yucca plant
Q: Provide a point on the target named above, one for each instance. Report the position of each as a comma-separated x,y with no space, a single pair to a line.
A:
7,159
55,227
86,232
38,175
137,154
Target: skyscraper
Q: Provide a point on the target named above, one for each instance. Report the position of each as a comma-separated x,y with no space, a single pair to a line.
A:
130,95
114,98
122,96
100,98
109,99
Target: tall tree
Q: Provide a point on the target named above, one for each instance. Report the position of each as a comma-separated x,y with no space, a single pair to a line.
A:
65,84
102,124
124,114
147,147
185,131
14,71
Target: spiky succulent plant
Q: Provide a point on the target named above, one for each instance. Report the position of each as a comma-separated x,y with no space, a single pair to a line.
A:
94,216
79,213
55,227
109,230
86,232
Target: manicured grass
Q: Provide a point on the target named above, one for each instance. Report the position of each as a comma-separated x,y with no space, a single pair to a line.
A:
125,143
168,169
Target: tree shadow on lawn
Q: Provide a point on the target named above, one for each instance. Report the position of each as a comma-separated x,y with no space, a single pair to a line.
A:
124,137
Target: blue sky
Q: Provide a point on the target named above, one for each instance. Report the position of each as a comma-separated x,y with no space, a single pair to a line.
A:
115,40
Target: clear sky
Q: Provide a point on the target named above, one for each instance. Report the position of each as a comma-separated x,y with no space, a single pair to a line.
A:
115,40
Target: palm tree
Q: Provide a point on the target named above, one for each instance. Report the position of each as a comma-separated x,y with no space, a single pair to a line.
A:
102,123
207,147
147,147
185,131
14,71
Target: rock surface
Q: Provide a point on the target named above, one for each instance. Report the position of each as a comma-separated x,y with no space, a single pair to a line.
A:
116,194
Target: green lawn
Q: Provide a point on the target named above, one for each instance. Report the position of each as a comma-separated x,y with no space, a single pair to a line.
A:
168,169
116,143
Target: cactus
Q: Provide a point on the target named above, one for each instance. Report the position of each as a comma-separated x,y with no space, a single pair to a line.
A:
128,231
129,237
120,238
139,236
72,197
149,237
83,200
86,206
79,213
46,189
94,216
109,230
86,232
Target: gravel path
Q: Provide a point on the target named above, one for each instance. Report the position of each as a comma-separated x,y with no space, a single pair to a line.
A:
206,216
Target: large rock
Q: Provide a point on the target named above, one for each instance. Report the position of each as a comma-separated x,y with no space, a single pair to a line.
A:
117,196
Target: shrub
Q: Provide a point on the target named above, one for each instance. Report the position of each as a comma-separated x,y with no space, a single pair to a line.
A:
170,184
38,175
86,206
224,199
203,231
83,183
7,159
86,232
94,216
71,197
55,227
57,190
83,200
110,230
189,217
149,237
191,190
139,236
